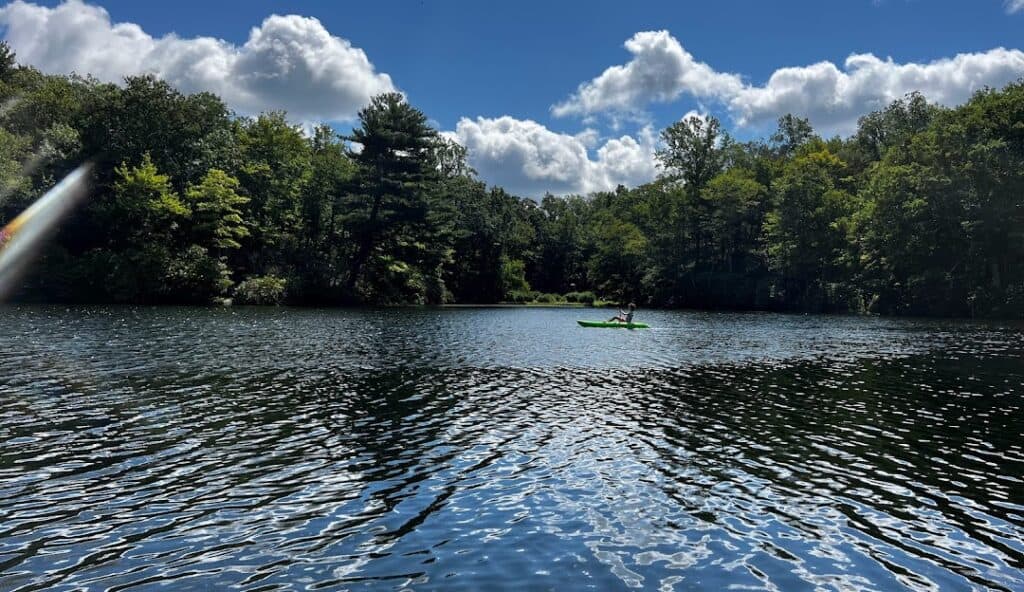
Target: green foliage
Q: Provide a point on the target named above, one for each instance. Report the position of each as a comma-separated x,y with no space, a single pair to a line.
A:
145,203
793,132
559,247
513,276
263,290
535,297
942,223
522,297
216,217
581,297
892,127
275,167
322,243
918,212
691,153
736,203
549,299
185,135
196,277
13,150
395,213
8,61
392,281
618,255
451,158
806,228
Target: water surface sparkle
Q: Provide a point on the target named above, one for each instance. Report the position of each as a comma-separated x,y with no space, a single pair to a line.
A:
284,449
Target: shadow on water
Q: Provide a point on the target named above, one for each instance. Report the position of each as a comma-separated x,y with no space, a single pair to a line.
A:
426,449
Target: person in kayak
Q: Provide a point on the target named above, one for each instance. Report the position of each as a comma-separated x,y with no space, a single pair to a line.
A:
624,317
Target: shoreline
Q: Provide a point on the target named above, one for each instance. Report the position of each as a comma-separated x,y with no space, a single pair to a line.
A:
514,305
1017,322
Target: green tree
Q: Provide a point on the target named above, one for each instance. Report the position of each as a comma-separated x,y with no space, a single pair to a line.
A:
691,153
195,276
15,188
452,158
806,230
669,221
489,227
145,204
736,202
908,244
792,133
325,248
185,135
918,212
894,126
942,225
133,264
986,138
331,175
513,276
619,248
276,166
216,214
390,210
8,60
560,259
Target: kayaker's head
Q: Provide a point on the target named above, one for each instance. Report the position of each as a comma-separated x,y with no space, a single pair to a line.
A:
632,306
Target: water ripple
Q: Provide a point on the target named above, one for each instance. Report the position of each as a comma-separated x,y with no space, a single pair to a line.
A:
416,449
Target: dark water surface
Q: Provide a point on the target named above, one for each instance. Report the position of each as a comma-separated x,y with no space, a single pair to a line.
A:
274,449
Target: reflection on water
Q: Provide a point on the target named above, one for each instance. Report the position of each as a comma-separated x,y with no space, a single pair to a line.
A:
506,449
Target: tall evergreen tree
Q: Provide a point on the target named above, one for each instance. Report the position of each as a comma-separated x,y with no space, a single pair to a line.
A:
389,212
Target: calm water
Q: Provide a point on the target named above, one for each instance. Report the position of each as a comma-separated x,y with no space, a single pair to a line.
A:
274,449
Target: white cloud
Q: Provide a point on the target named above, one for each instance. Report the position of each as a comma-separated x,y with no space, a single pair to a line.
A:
589,138
529,159
660,71
288,62
831,97
1013,6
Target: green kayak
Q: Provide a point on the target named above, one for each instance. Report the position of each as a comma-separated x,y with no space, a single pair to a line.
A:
612,324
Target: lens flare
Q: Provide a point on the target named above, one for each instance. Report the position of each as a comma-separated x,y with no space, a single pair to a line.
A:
21,238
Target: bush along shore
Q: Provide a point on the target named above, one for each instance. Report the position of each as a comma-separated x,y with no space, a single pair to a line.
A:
920,211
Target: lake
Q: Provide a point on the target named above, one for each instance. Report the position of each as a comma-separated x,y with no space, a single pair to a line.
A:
507,449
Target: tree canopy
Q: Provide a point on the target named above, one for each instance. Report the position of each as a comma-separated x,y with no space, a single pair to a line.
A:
920,211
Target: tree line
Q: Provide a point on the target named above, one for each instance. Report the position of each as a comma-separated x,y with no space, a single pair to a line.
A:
920,211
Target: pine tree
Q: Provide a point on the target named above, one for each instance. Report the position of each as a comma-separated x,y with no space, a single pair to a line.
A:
390,211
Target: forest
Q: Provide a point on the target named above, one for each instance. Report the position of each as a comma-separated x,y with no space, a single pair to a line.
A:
919,212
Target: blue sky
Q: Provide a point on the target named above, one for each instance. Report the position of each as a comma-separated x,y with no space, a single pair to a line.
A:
492,74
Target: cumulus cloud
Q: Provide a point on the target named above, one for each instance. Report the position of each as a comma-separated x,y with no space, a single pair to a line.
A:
288,62
529,159
831,97
660,71
1013,6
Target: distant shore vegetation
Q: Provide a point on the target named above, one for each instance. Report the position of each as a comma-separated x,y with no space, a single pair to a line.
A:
921,211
